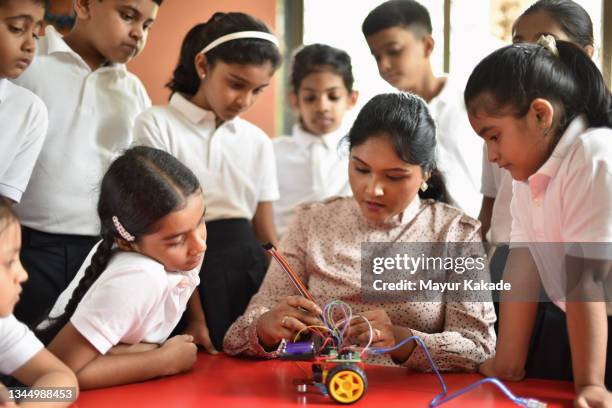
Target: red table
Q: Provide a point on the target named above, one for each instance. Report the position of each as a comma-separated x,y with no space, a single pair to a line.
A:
221,381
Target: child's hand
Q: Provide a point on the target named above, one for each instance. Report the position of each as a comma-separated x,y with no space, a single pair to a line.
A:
291,315
490,369
180,353
593,396
4,398
201,336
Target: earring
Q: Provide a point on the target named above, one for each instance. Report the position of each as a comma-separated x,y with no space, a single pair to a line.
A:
424,186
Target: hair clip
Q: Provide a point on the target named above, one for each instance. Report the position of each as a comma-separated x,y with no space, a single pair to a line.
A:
122,231
548,41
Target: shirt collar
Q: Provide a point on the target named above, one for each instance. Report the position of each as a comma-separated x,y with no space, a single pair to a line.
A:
196,114
3,85
330,140
56,44
538,182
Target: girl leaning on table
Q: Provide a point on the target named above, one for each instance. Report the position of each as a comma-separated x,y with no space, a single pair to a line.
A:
111,324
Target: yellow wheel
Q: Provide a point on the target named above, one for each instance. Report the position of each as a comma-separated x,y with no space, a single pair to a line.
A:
346,383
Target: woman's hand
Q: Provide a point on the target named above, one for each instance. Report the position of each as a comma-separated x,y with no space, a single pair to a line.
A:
180,353
384,334
292,314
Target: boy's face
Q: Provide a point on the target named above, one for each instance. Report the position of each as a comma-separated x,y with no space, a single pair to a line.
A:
119,28
401,57
12,274
20,23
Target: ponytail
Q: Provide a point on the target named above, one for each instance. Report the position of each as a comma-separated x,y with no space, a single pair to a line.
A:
436,188
594,98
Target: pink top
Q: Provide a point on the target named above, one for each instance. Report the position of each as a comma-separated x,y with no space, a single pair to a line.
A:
323,246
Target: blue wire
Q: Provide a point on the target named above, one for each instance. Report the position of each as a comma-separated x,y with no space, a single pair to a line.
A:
442,397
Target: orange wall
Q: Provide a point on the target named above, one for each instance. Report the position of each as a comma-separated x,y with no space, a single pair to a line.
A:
155,64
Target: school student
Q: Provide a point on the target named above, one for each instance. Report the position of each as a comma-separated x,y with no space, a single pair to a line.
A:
398,33
92,101
22,114
225,64
398,196
22,355
309,163
546,115
111,324
565,20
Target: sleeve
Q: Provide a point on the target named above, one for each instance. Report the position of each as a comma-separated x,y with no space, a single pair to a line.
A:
468,337
268,184
147,132
17,344
242,338
587,208
113,310
15,180
488,186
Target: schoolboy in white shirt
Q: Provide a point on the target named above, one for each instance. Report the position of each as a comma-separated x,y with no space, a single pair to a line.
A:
398,33
92,102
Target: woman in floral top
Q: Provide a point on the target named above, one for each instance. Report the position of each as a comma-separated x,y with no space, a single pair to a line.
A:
399,197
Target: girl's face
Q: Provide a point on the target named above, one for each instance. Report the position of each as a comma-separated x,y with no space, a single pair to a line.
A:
382,183
529,28
179,242
231,89
322,101
12,274
519,145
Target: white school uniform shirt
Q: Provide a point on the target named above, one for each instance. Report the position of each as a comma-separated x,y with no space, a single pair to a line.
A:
134,300
459,148
310,168
234,162
17,344
568,200
497,184
91,116
24,125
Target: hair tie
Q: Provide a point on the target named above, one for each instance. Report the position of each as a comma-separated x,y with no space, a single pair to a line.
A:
238,35
122,231
548,41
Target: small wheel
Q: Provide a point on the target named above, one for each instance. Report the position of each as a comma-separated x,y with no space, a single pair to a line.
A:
346,383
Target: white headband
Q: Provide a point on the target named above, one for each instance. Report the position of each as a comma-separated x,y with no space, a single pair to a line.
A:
238,35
